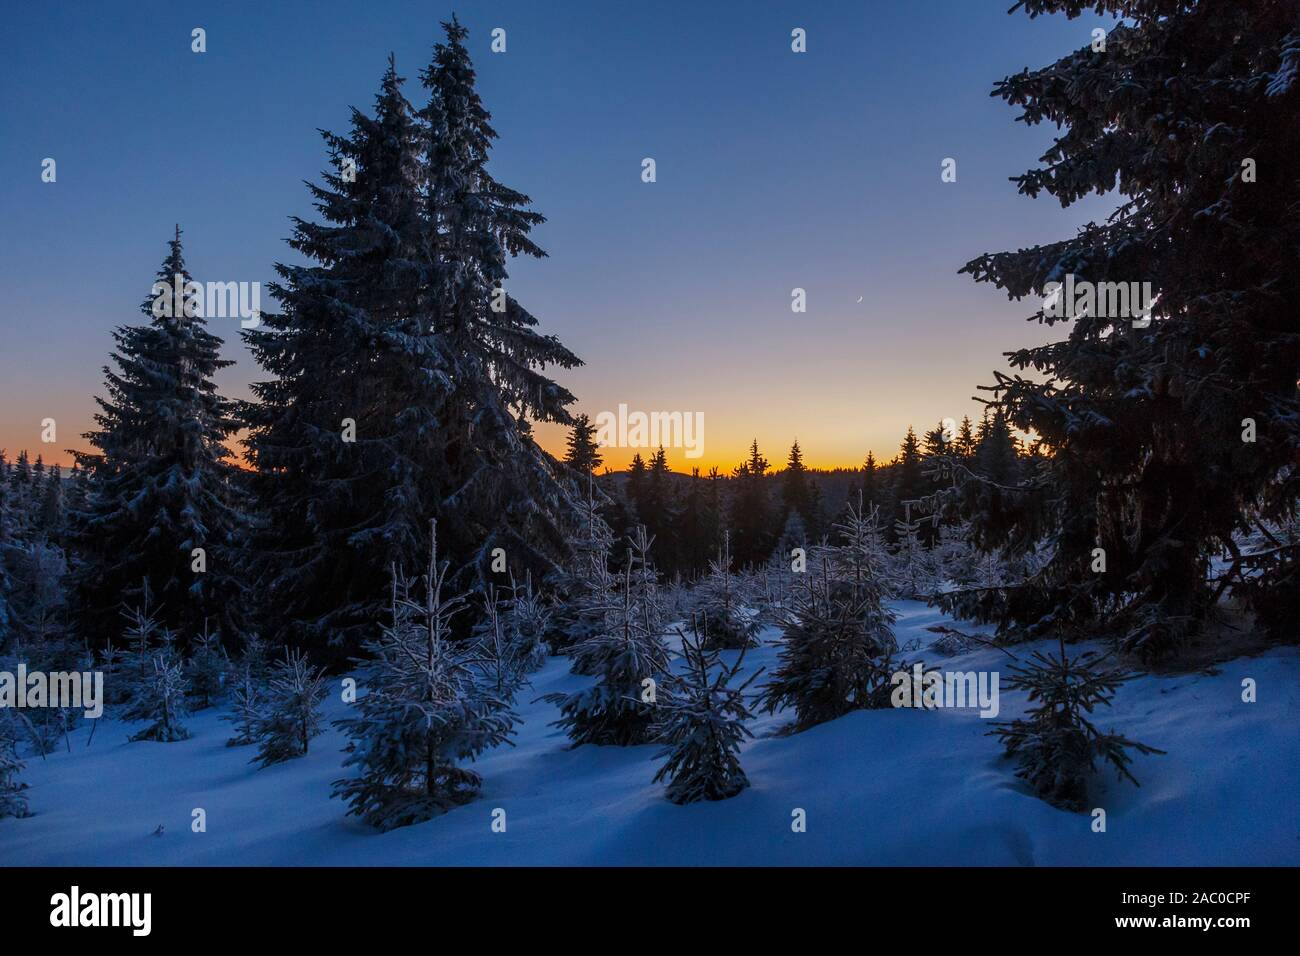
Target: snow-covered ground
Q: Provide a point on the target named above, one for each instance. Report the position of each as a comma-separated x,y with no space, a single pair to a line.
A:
882,787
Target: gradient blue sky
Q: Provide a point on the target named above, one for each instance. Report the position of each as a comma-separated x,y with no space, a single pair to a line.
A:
775,170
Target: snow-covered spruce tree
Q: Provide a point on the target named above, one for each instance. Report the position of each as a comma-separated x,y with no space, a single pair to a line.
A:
13,800
430,703
634,592
527,620
255,659
955,558
37,605
141,633
657,511
405,376
248,680
206,669
341,435
501,489
583,454
112,663
160,699
838,646
52,513
629,659
772,584
1189,112
583,581
1055,745
724,622
246,700
510,633
862,569
701,720
40,635
161,480
914,570
7,539
290,716
648,595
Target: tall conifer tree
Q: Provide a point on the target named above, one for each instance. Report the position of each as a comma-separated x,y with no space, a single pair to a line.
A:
162,484
583,454
1189,113
405,375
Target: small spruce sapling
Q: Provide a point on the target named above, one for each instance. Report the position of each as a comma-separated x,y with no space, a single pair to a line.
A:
723,621
291,715
206,669
837,651
13,800
625,655
513,630
702,724
248,691
1056,746
915,570
160,699
527,619
586,585
136,670
246,711
112,663
430,702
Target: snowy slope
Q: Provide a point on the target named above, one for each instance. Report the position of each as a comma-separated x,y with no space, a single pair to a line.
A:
882,787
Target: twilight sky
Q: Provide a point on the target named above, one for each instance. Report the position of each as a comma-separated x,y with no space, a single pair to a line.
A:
775,170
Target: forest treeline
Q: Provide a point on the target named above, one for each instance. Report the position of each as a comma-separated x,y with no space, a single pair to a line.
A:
769,510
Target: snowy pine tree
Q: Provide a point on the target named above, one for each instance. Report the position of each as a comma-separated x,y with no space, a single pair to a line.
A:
1144,406
635,592
37,604
162,484
430,703
342,434
751,517
723,620
511,652
914,568
837,652
206,669
246,700
160,699
862,569
13,801
290,716
584,582
527,620
140,635
629,658
418,401
249,691
701,720
112,663
1055,745
583,454
955,559
501,488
